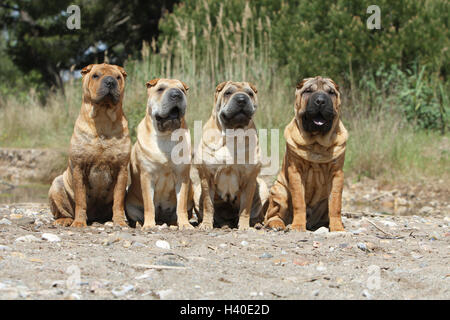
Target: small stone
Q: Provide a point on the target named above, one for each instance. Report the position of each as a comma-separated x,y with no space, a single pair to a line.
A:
163,226
425,210
126,244
315,293
321,230
73,296
316,244
266,255
5,222
223,245
163,244
244,243
27,238
5,248
50,237
359,231
164,294
137,244
16,216
120,292
366,294
321,267
301,262
388,223
362,246
109,224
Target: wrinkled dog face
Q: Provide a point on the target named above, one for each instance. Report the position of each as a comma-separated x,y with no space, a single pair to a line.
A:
235,103
166,103
103,83
317,104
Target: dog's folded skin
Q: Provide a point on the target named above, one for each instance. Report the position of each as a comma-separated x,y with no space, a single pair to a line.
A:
161,190
93,186
308,191
230,193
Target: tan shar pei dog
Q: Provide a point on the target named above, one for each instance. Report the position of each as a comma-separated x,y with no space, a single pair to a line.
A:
228,161
161,190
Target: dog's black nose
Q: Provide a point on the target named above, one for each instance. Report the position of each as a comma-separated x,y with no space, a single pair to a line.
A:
241,99
175,94
320,101
109,81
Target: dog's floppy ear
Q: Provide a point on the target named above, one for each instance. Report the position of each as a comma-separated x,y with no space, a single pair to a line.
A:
122,71
186,87
219,88
86,69
152,83
335,85
253,87
301,84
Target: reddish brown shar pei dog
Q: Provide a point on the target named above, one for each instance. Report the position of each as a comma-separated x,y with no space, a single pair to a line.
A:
93,186
308,191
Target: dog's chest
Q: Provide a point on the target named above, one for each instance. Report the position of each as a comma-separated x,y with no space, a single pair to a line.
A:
317,181
165,185
227,183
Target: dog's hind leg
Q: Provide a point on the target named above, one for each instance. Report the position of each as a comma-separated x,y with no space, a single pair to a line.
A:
61,205
278,214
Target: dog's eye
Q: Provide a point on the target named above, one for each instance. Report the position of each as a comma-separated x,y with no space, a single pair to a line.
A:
307,90
227,93
332,92
160,89
95,76
250,94
118,77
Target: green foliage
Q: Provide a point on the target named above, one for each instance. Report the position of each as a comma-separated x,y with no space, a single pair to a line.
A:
312,38
421,99
39,40
267,41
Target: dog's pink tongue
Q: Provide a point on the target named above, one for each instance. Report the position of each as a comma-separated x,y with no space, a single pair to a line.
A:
318,122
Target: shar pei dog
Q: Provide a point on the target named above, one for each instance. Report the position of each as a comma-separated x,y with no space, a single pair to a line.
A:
308,191
94,184
228,161
161,190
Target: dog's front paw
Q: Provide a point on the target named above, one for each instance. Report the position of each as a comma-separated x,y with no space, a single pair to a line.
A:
336,225
79,223
244,226
185,226
276,224
205,226
298,227
120,222
64,222
148,226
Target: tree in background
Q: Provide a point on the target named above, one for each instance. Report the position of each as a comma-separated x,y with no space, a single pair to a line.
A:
39,41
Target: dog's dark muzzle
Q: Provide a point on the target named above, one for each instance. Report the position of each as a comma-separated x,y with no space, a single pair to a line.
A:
239,112
319,114
169,121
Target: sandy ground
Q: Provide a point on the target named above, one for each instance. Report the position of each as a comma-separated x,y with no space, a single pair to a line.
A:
382,255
